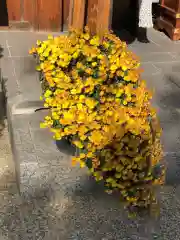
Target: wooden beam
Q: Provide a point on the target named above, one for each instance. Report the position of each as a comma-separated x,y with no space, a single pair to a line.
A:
92,15
14,10
70,13
99,15
28,11
77,13
66,4
104,16
49,15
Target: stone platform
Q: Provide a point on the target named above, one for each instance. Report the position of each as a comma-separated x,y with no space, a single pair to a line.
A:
59,201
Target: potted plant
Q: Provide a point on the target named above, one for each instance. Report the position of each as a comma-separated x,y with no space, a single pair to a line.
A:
98,102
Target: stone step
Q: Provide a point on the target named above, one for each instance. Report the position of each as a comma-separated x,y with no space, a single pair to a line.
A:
7,167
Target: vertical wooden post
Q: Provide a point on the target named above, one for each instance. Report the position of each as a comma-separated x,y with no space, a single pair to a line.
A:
14,10
104,15
99,15
77,14
28,11
49,15
92,15
66,4
70,13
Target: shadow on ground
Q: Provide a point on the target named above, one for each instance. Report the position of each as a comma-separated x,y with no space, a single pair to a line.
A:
167,101
2,97
2,104
172,100
1,52
85,212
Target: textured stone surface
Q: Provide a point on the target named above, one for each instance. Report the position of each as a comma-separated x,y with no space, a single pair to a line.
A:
84,213
59,201
7,169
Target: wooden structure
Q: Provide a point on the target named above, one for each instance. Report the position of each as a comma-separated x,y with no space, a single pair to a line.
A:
169,19
38,14
57,15
96,14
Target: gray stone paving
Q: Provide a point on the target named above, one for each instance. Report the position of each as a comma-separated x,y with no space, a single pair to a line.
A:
60,202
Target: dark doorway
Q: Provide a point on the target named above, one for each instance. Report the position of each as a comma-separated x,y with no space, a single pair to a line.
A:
124,19
3,14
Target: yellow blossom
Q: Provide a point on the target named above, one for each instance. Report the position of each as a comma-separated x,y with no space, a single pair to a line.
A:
90,103
94,64
95,41
78,144
97,100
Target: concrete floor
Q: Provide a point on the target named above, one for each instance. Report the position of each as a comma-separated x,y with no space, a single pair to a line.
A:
59,202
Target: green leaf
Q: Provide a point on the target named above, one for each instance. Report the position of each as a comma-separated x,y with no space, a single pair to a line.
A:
56,124
88,163
95,74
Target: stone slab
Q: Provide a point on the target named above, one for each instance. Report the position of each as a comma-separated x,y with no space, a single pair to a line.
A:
20,42
59,201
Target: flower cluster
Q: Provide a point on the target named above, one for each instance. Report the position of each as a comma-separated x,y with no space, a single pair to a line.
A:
98,101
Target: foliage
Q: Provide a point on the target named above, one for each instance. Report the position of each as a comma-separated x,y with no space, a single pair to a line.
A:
98,100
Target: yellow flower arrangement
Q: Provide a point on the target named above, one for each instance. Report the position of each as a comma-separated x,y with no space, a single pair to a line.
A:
96,98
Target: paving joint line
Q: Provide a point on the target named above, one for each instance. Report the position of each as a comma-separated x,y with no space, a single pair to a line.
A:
13,65
177,85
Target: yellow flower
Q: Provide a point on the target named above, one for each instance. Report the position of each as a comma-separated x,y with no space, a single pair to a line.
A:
94,64
55,116
95,41
86,36
68,118
119,93
82,129
82,164
124,67
65,105
78,144
79,106
96,98
43,125
90,155
48,93
91,103
82,155
106,44
89,59
38,42
125,102
75,55
74,161
120,73
74,91
81,97
33,50
96,137
80,65
50,37
83,137
89,70
100,56
47,118
113,67
68,115
58,135
81,116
